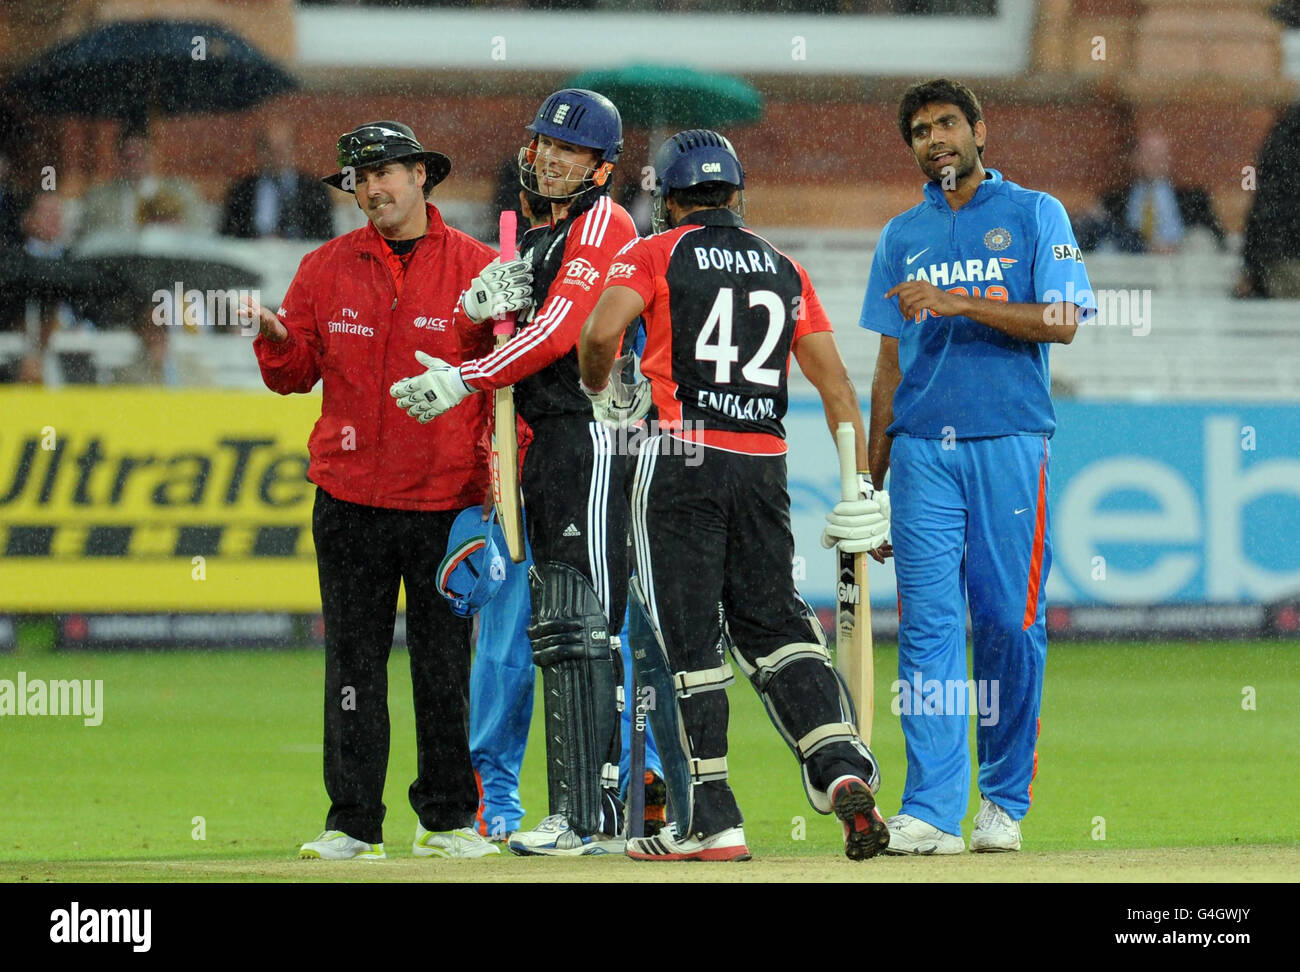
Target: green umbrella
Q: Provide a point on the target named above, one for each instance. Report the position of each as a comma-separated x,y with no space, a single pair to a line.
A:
656,96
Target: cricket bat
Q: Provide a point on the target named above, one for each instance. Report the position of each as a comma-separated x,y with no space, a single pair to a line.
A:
636,758
853,648
505,441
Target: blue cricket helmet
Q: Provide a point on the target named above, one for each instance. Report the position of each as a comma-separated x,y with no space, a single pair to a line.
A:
695,156
691,158
582,117
473,570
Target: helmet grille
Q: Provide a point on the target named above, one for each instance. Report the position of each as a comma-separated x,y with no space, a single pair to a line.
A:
699,138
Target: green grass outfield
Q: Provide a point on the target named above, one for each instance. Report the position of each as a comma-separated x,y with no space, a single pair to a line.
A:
1151,738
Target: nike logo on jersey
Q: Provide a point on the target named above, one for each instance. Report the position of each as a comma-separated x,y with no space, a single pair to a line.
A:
917,256
1018,512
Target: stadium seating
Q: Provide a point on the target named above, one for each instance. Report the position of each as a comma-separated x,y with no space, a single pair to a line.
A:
1198,343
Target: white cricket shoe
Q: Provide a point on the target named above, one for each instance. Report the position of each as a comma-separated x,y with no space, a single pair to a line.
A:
994,829
335,845
553,837
726,845
908,835
462,842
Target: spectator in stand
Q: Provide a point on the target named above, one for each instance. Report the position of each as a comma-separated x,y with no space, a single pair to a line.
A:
279,199
124,204
11,207
36,281
1271,250
1148,214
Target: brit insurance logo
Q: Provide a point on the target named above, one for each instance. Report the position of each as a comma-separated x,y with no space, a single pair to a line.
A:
997,239
581,272
432,323
619,270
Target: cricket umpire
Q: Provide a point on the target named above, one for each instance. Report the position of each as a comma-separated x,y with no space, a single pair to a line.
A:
358,310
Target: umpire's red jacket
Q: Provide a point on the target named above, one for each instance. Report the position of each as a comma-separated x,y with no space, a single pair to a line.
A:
356,316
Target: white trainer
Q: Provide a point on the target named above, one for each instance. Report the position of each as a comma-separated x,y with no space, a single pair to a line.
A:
726,845
553,837
994,829
335,845
462,842
908,835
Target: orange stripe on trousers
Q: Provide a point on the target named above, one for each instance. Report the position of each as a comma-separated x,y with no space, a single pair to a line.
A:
1036,562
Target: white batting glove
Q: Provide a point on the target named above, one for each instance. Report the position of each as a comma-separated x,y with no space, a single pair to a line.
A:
500,289
859,525
427,396
620,403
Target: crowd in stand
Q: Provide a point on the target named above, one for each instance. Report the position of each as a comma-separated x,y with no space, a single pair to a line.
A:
1152,211
42,291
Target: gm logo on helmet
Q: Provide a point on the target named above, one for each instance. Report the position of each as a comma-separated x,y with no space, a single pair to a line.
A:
711,167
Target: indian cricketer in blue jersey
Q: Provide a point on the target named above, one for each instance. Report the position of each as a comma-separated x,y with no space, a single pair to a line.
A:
968,290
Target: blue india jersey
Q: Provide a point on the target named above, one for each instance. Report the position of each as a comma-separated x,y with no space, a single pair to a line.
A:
961,378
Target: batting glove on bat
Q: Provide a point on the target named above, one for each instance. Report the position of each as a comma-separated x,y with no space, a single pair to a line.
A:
620,403
427,396
500,289
859,525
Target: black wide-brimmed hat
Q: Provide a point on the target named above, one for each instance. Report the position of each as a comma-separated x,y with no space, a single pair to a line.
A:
386,141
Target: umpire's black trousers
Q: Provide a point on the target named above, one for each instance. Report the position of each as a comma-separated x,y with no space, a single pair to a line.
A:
363,553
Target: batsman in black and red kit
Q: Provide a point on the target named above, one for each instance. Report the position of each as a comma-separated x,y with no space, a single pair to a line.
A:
573,481
723,311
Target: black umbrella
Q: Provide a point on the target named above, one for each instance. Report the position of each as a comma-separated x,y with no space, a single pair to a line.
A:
89,290
132,69
165,258
26,277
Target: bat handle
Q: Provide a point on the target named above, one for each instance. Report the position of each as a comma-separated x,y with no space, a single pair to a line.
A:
506,326
846,442
507,235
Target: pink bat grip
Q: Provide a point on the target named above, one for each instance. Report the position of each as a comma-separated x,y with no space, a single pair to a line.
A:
506,325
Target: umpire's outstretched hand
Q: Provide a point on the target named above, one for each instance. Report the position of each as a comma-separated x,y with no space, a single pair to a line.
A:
268,325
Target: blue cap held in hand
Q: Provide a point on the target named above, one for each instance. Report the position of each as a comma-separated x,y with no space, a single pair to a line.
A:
473,570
